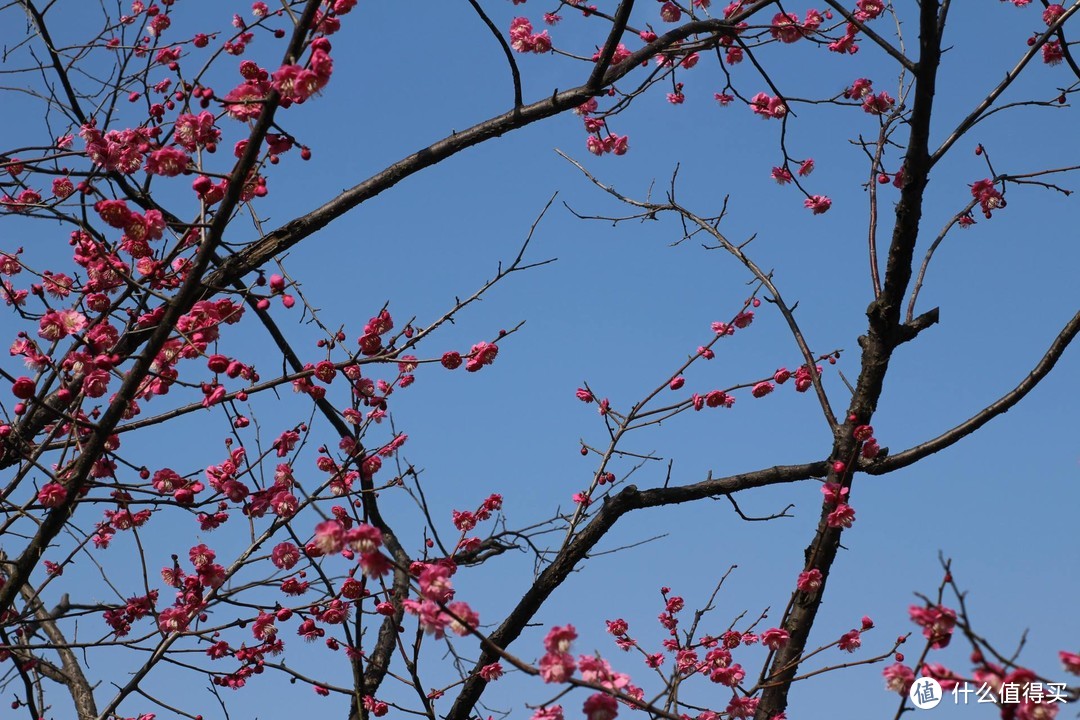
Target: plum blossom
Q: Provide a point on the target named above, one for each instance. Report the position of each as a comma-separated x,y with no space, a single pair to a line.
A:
555,712
988,196
774,638
842,517
937,623
600,706
819,204
810,581
768,107
898,678
850,641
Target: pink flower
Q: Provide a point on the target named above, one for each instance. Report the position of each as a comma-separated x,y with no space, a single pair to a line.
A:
878,104
600,706
620,54
1052,13
859,89
554,712
774,638
730,675
810,581
868,9
834,493
434,581
620,627
898,678
850,641
937,623
491,672
521,34
584,395
945,677
768,107
818,203
23,388
742,707
375,564
762,389
806,167
558,639
843,516
364,538
52,494
785,28
988,196
781,175
329,537
670,12
1071,661
285,556
556,667
168,162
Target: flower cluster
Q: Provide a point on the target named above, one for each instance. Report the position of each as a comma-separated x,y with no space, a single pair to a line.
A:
523,39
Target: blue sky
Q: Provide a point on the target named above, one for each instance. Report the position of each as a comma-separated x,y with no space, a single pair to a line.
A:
621,309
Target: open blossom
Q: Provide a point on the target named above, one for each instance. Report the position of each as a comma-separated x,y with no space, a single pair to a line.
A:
168,162
785,28
818,203
937,623
1052,52
52,494
558,639
868,9
742,707
1052,13
768,107
861,88
491,672
878,104
670,12
988,196
556,667
809,581
285,556
601,706
523,39
850,641
898,678
781,175
842,516
834,493
620,627
774,638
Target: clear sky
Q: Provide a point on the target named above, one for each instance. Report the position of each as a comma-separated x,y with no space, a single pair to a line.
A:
622,308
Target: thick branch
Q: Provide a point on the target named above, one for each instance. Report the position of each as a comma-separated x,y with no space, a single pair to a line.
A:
991,411
567,559
885,332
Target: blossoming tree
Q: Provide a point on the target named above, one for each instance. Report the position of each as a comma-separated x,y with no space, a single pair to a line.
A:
277,542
